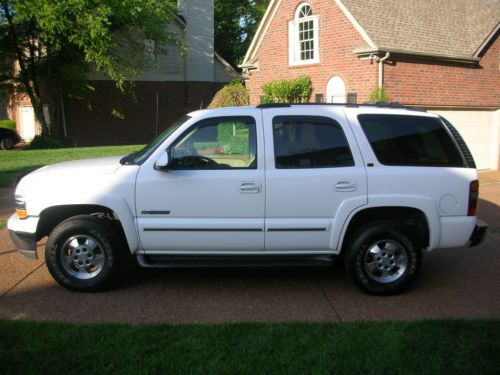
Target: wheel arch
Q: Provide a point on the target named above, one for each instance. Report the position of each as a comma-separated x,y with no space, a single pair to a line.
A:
50,217
415,219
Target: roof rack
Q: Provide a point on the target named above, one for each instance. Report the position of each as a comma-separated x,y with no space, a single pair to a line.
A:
393,105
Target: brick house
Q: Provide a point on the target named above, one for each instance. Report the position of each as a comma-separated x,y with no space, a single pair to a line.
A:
441,55
170,85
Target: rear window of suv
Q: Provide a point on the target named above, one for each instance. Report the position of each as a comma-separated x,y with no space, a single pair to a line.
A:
410,141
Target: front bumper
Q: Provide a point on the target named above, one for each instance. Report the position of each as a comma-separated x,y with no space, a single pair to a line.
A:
25,243
479,234
23,235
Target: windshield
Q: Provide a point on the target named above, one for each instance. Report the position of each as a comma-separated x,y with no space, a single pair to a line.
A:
140,156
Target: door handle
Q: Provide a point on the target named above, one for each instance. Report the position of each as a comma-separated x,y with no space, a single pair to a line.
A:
345,186
250,188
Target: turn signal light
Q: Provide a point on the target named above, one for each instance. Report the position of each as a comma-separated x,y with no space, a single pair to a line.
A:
22,214
473,198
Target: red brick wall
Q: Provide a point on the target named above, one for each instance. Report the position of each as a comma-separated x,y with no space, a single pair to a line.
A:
406,82
337,40
440,84
98,127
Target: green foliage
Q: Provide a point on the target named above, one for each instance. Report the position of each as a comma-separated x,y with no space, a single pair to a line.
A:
61,42
44,142
237,145
235,24
232,95
8,124
288,91
378,95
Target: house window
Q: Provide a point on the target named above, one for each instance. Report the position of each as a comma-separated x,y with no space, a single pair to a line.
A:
303,37
150,54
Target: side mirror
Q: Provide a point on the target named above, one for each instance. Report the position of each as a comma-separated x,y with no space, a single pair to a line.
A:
163,161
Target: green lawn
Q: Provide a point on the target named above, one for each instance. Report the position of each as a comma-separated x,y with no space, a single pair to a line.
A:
17,162
428,347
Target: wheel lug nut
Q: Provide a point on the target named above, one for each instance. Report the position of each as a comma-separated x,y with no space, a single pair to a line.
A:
75,257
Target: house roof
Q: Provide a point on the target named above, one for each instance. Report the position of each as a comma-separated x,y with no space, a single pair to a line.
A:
442,27
454,28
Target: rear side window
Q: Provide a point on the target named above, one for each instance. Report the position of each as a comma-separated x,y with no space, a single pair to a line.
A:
410,141
309,142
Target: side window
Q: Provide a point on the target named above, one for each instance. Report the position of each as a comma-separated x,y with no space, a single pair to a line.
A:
309,142
218,143
410,141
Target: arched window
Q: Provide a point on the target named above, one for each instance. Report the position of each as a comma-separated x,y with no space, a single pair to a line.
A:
303,36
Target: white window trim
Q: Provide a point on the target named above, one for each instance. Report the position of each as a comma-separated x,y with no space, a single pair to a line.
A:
293,42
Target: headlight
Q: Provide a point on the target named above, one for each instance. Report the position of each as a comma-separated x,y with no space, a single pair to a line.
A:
21,206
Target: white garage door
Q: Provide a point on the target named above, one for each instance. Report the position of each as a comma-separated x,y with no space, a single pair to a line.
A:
480,131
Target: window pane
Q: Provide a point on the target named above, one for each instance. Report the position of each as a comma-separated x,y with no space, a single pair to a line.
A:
220,143
410,140
309,142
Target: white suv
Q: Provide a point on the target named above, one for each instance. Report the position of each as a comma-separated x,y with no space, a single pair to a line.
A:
269,185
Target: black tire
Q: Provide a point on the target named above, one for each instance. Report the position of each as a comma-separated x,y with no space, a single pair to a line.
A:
7,143
110,253
366,266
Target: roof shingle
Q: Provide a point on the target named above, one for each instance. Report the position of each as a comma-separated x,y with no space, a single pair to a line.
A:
444,27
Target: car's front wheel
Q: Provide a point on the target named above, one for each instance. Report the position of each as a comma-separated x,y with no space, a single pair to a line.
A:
85,253
382,258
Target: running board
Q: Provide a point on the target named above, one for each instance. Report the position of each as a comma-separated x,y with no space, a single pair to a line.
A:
236,261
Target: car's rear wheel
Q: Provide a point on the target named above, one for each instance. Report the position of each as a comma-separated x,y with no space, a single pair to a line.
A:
7,144
382,258
85,253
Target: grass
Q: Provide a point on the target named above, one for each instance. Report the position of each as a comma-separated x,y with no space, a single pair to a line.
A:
427,347
19,162
3,224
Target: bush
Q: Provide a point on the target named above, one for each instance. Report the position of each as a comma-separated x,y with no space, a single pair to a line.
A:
42,142
288,91
233,94
378,95
237,145
8,124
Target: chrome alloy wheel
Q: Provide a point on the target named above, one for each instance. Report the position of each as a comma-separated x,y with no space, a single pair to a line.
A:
385,261
83,257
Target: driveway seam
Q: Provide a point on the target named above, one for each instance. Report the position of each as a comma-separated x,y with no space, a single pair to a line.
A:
330,303
20,281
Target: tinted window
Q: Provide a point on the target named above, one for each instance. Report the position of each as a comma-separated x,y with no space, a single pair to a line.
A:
410,140
218,143
309,142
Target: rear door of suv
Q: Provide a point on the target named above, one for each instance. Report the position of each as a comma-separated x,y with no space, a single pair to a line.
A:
315,178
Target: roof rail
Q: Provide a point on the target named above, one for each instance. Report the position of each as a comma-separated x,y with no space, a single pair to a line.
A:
273,105
393,105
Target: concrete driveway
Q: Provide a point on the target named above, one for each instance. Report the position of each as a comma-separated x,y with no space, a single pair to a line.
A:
454,283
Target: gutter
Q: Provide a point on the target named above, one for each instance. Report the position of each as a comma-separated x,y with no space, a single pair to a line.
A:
381,69
399,54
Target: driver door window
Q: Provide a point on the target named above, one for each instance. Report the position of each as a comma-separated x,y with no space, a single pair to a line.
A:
218,143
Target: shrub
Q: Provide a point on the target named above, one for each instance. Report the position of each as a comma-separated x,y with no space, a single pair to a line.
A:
233,94
288,91
378,95
9,124
237,145
41,142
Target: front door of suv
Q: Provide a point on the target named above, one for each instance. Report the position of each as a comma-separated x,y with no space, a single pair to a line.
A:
211,199
315,178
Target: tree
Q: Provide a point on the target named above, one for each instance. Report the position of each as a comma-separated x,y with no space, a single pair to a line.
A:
236,22
57,43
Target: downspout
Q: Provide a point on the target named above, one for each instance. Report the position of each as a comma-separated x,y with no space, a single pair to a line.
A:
381,69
